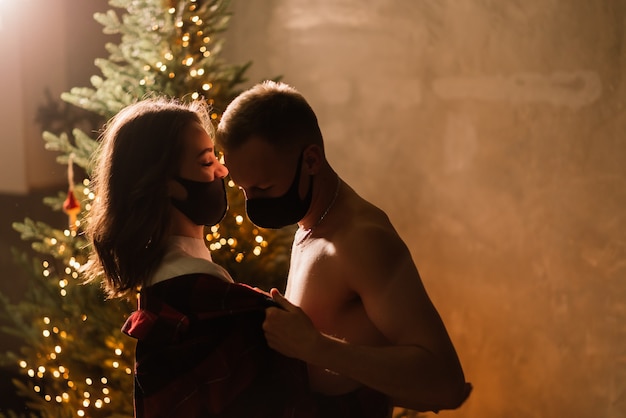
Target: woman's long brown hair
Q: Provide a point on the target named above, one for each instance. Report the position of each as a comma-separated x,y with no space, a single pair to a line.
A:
128,224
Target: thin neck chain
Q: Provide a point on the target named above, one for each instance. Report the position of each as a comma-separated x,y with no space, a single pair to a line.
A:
330,205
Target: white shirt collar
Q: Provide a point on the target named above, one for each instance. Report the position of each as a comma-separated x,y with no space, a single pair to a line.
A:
194,247
186,255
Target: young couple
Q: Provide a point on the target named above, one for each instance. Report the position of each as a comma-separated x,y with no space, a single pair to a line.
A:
355,332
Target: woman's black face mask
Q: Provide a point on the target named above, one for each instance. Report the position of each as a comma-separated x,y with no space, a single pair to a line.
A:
278,212
206,202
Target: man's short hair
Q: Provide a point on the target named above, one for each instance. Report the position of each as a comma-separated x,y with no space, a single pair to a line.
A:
273,111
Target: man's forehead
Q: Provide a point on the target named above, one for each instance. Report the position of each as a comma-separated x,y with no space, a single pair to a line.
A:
256,162
249,167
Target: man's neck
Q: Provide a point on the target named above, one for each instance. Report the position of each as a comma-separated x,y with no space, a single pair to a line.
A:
326,187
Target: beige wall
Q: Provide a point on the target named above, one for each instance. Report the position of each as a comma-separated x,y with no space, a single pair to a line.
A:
493,133
47,47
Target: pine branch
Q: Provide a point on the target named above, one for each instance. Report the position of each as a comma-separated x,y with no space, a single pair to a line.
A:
71,333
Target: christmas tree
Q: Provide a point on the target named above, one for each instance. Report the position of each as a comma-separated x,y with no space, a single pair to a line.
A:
74,361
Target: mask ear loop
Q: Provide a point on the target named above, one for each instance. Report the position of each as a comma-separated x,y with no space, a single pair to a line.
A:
175,190
295,183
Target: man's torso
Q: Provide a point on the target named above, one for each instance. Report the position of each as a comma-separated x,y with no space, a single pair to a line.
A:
321,282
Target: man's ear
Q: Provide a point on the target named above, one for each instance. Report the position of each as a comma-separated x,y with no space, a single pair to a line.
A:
176,190
313,158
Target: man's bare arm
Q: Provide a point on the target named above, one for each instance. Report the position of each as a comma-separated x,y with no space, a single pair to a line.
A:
419,368
410,375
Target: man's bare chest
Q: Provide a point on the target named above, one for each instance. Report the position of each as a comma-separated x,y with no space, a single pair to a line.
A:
318,284
314,274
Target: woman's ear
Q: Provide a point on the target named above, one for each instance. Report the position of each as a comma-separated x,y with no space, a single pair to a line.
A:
176,190
313,158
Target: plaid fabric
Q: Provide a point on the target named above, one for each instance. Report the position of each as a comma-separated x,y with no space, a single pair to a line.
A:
201,352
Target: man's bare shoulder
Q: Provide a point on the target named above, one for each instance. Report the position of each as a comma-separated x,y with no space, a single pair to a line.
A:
369,229
377,265
368,242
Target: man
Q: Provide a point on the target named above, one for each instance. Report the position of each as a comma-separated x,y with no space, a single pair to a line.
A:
355,309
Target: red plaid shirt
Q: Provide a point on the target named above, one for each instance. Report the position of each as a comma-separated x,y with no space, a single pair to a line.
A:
201,352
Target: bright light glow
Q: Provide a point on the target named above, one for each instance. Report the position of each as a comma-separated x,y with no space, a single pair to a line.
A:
3,4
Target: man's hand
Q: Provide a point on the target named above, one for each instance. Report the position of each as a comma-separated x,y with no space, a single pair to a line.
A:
289,330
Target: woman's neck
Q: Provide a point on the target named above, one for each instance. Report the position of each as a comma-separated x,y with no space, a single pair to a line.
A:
182,225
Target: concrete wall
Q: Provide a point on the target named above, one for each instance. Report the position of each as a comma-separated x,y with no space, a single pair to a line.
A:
493,133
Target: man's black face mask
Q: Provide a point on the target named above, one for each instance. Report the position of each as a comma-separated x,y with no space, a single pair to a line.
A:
278,212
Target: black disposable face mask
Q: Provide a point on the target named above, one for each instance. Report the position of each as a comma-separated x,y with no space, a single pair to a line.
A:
206,202
278,212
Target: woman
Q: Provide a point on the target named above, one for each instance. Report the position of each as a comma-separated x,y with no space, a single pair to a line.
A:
201,350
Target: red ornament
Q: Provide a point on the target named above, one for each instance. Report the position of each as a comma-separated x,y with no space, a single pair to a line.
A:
71,205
